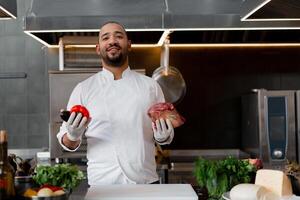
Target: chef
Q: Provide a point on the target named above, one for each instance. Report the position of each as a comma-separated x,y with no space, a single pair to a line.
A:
120,135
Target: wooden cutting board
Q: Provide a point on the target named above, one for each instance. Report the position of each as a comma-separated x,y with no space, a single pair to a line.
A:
142,192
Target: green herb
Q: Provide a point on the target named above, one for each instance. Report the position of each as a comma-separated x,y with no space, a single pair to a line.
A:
63,175
219,176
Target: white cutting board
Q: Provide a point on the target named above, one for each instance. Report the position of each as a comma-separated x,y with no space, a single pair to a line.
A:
142,192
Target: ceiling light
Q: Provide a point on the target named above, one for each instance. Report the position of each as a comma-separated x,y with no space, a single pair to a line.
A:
137,41
249,9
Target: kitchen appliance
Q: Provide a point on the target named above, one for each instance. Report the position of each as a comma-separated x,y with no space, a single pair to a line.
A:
193,21
269,125
61,85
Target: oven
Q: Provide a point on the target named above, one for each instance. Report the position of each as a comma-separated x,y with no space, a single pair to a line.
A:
269,125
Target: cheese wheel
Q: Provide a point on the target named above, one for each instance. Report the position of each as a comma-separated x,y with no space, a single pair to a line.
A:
247,191
275,181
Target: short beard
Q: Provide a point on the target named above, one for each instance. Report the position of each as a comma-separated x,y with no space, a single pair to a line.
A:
118,61
115,62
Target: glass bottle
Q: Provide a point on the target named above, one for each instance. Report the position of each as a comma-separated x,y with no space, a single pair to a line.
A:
7,188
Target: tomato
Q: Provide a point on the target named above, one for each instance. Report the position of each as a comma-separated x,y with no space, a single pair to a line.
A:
81,109
257,163
84,112
51,187
76,108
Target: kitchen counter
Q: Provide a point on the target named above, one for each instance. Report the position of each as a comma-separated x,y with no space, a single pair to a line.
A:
80,191
134,192
142,192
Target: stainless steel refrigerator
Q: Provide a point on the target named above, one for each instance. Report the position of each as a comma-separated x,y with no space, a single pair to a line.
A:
61,85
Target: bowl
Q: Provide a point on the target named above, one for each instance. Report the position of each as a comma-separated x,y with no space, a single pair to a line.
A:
22,183
60,197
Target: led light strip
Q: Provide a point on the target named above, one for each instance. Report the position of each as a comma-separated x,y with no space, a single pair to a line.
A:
94,46
238,45
31,33
254,10
199,45
88,30
8,13
166,33
234,28
40,40
273,19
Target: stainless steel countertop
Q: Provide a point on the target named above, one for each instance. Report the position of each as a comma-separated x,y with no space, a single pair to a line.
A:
26,153
210,153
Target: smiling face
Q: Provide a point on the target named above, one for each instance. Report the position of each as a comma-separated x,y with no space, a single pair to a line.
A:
113,45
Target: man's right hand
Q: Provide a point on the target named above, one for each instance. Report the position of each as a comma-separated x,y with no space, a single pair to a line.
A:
76,126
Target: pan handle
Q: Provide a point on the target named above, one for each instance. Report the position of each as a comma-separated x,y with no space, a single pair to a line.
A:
166,53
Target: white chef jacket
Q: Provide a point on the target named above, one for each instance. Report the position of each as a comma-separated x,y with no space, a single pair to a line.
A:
120,140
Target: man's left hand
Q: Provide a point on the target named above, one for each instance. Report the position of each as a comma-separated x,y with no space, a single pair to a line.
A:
163,130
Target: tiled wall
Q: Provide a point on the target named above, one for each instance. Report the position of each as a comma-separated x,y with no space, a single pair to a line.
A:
24,110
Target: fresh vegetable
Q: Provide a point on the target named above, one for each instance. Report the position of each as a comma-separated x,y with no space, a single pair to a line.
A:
58,192
66,176
81,109
219,176
292,168
51,187
45,192
256,162
65,114
30,192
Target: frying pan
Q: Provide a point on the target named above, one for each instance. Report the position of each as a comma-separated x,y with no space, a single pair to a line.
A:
169,78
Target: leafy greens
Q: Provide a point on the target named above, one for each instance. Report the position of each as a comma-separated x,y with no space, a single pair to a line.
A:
63,175
219,176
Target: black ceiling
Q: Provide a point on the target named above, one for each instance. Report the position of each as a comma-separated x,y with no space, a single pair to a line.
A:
236,36
190,37
10,6
276,9
3,14
137,37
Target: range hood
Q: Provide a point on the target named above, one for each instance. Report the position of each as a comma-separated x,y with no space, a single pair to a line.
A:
8,9
149,22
